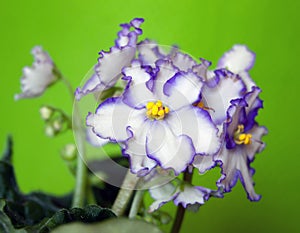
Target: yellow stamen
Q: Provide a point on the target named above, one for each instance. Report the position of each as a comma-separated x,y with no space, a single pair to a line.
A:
149,105
161,112
156,110
159,103
240,137
201,104
167,110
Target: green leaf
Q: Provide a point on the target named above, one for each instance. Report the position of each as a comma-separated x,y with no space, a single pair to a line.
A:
89,214
120,225
40,212
8,185
5,223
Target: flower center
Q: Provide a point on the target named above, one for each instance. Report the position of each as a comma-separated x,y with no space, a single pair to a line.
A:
240,137
156,110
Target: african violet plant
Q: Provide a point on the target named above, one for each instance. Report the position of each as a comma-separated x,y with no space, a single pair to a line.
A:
172,116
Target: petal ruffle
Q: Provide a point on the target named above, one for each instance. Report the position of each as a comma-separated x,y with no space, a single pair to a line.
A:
135,149
115,120
204,163
93,85
191,195
182,89
183,61
137,93
217,98
110,64
37,78
129,33
238,59
196,124
162,195
168,149
93,139
235,165
149,52
166,71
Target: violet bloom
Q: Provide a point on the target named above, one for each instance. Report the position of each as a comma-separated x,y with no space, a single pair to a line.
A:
108,69
155,120
243,140
39,76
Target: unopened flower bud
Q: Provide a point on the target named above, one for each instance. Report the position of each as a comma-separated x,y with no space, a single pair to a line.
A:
46,112
49,131
57,125
69,152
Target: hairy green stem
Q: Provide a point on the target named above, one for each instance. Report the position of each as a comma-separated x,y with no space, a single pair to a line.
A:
80,191
187,177
129,183
136,203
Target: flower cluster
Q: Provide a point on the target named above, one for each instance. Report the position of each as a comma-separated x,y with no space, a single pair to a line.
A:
174,113
177,114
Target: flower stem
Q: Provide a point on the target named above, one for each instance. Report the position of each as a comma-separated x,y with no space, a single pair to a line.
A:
80,191
187,177
81,184
81,172
136,203
129,183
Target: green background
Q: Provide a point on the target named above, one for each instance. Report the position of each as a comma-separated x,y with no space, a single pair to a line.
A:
74,31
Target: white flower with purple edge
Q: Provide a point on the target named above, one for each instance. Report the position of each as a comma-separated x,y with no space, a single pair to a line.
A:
39,76
155,120
187,195
242,142
107,70
239,60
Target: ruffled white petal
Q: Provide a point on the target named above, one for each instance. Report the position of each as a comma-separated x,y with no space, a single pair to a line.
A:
166,72
190,195
183,61
110,64
168,149
37,78
217,98
129,34
196,124
93,139
162,195
115,120
202,70
136,151
256,145
238,59
203,163
137,94
93,85
181,90
148,52
235,166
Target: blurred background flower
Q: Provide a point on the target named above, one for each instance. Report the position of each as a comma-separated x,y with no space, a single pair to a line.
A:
74,31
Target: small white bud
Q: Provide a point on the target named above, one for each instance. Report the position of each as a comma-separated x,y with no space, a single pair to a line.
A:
69,152
57,125
49,131
46,112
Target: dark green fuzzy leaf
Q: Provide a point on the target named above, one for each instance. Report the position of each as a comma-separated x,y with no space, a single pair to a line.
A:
5,223
40,212
120,225
89,214
8,186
